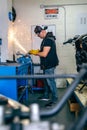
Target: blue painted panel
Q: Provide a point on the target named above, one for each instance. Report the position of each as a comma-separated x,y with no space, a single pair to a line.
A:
8,87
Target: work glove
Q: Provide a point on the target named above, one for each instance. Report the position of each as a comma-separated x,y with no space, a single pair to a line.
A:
33,52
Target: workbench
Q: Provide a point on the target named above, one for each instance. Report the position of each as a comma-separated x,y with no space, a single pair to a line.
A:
78,99
80,96
9,87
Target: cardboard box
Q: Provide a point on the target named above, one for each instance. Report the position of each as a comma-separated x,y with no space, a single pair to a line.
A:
74,106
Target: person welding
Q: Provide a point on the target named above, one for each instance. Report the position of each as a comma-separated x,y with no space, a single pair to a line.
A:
48,62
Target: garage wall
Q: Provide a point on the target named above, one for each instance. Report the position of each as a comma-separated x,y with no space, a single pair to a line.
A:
5,6
31,13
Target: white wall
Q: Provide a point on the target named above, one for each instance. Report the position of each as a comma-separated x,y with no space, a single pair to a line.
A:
5,7
29,13
3,28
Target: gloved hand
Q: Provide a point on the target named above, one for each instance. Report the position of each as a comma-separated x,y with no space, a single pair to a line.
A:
34,52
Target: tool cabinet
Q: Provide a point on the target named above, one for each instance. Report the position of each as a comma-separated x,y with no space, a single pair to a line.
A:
9,87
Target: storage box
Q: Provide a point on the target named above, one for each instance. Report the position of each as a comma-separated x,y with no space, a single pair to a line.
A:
74,106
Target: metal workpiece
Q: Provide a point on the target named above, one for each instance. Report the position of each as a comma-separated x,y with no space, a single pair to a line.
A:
2,109
43,125
56,126
34,112
3,103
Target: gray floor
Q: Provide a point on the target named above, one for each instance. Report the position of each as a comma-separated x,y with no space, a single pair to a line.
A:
64,117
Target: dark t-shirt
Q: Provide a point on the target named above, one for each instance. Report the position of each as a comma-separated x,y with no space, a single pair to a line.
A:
51,60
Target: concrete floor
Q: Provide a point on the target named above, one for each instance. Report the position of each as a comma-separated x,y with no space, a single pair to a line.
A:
64,117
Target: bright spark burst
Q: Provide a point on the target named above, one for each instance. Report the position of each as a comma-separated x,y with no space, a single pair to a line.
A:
13,39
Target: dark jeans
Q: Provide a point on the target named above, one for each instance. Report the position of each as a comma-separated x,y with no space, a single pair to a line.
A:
51,85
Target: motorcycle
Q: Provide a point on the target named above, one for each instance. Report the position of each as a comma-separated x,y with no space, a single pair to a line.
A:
80,43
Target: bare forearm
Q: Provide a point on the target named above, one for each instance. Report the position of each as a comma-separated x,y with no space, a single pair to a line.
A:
41,54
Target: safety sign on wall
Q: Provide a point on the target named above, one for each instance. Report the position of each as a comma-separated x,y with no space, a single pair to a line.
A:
51,13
